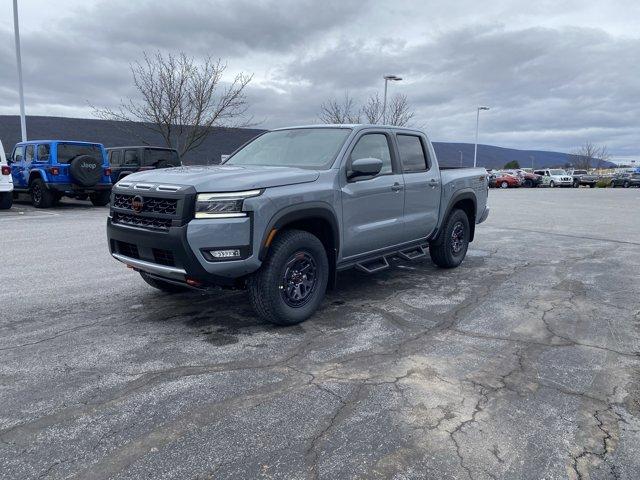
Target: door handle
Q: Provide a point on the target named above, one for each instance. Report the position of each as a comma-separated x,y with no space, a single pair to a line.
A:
433,182
396,187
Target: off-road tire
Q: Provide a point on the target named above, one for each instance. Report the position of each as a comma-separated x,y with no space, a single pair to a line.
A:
266,286
442,251
164,286
6,200
41,196
100,198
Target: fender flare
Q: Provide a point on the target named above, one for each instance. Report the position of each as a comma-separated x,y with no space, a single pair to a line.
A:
466,194
38,172
301,211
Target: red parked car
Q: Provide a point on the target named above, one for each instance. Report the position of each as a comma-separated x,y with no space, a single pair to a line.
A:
504,180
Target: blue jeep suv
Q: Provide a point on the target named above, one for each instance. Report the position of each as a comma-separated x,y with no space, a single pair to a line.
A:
51,169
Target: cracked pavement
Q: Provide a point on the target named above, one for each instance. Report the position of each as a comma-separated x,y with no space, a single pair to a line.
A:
522,363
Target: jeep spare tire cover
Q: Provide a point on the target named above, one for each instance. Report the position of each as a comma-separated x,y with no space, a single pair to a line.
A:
86,170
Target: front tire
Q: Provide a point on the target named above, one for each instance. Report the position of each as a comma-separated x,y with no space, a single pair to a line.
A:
450,249
6,200
161,285
625,184
100,198
292,281
504,185
41,196
552,184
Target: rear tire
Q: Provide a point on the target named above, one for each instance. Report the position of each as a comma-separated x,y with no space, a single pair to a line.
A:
100,198
292,281
451,248
164,286
6,200
41,196
625,184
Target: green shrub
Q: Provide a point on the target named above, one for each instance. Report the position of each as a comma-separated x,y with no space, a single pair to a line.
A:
603,183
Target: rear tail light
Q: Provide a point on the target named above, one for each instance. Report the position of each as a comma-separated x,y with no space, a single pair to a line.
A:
107,172
54,171
6,170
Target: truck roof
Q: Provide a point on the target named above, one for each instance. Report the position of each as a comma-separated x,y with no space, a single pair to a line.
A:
354,126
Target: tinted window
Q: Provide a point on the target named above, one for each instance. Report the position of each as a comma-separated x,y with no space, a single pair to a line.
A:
373,145
411,153
18,154
166,157
29,153
298,147
131,157
115,158
69,151
43,153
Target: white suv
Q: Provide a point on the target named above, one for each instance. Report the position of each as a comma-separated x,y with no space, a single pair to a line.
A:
6,182
556,177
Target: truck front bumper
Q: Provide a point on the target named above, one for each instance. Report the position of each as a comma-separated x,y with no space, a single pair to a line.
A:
182,252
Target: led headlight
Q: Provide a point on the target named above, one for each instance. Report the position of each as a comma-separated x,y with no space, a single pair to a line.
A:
222,205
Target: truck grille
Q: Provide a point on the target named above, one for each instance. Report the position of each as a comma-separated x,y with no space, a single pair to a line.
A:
163,257
161,224
164,206
128,249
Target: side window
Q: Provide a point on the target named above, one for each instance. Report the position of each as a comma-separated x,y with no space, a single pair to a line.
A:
18,154
131,158
412,153
28,156
43,153
373,145
115,158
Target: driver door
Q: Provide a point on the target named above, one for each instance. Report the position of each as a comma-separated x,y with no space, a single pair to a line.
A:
372,208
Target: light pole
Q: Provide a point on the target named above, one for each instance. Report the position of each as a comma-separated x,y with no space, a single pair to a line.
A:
16,29
475,150
460,157
393,78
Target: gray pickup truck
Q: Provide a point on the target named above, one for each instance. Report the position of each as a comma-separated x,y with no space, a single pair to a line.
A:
290,209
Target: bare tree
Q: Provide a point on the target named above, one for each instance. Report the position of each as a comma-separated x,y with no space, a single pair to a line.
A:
334,111
182,99
585,156
398,111
372,109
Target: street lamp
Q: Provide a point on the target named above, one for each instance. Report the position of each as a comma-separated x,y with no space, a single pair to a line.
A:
393,78
460,157
475,150
16,30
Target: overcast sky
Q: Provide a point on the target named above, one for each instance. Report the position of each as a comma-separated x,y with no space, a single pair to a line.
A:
554,73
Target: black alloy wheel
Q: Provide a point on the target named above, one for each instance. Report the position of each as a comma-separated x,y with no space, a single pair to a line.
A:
299,279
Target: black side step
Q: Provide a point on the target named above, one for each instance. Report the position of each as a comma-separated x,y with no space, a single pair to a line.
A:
373,266
413,253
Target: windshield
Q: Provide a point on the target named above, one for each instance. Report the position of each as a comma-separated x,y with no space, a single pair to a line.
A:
579,172
302,147
558,172
69,151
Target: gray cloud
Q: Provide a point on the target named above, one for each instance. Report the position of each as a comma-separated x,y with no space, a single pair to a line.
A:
554,76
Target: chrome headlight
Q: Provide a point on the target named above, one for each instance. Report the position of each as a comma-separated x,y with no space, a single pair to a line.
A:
222,205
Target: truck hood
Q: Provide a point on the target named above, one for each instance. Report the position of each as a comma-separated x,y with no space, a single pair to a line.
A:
223,178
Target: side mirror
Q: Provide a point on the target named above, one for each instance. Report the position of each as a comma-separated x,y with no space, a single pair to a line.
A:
365,167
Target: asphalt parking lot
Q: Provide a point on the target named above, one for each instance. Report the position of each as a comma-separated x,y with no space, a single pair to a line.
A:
522,363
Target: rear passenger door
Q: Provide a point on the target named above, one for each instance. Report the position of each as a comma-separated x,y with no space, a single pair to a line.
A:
372,207
422,186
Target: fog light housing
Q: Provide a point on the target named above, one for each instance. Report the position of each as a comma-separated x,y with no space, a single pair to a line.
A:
222,254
